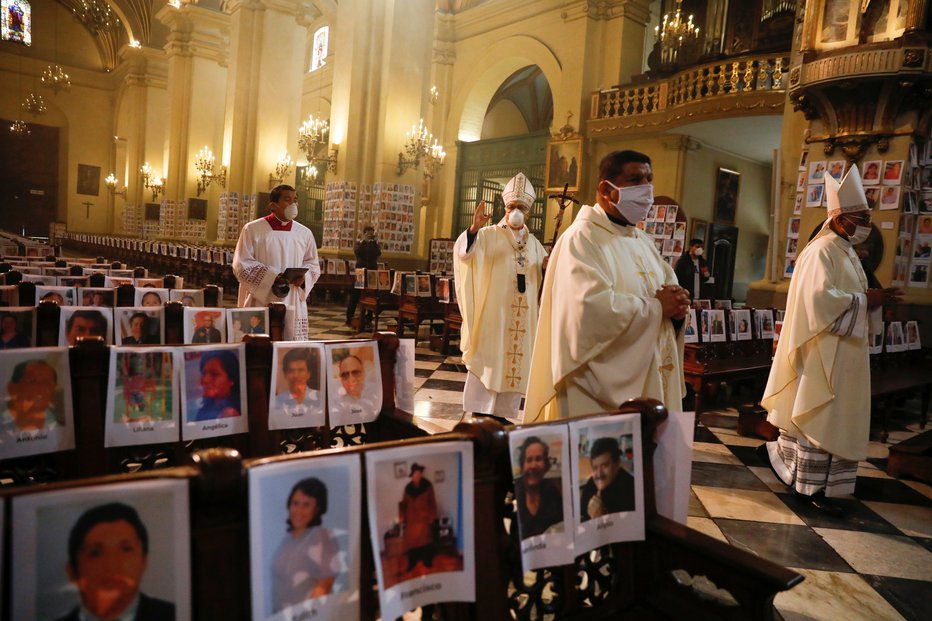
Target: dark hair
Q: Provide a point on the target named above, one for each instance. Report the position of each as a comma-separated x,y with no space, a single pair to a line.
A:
605,445
313,488
230,364
148,293
145,317
20,370
294,355
527,443
112,512
5,315
613,163
696,242
276,192
96,316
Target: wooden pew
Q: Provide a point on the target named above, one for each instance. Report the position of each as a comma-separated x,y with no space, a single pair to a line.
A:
630,580
89,371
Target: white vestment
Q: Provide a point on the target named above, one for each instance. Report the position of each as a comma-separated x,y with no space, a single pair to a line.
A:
261,255
602,339
819,385
499,322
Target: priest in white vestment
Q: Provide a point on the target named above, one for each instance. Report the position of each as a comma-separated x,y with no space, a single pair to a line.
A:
498,271
819,390
612,312
266,248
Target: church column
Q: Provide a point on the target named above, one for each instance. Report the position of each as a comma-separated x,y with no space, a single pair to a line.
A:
197,72
263,93
443,185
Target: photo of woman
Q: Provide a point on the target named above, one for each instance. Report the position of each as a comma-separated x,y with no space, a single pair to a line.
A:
219,382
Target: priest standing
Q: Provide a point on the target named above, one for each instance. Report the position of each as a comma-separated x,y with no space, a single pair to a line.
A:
611,316
498,273
818,393
266,248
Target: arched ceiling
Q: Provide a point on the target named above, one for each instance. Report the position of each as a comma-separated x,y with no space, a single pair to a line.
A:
528,90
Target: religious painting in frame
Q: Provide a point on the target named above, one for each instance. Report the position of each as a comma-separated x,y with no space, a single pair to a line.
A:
726,195
564,164
88,180
700,230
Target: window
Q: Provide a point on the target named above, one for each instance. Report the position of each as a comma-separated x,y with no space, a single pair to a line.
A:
16,21
319,53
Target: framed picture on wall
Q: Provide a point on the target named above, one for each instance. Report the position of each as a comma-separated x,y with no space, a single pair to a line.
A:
88,180
564,164
699,230
726,195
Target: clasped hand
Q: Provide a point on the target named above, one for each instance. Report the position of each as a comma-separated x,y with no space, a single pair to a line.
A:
890,295
674,301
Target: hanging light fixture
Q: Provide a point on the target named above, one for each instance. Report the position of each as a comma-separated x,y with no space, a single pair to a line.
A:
674,33
54,77
34,104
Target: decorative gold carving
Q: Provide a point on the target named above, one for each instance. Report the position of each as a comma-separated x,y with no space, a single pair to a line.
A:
914,58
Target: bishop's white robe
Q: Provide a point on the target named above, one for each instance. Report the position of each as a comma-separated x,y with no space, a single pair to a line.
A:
499,322
602,339
819,385
263,252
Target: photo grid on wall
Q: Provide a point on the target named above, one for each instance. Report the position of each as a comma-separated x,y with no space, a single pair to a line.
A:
339,214
914,238
669,236
441,255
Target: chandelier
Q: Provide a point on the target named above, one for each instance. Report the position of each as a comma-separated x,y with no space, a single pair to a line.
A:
19,128
283,167
34,104
421,147
96,15
150,180
55,79
312,139
204,164
675,33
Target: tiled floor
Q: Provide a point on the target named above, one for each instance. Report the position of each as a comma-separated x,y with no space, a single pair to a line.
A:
876,563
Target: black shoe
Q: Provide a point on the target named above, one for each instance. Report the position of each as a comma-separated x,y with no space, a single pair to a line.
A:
823,504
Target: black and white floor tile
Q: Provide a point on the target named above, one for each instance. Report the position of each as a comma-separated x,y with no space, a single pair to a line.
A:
873,564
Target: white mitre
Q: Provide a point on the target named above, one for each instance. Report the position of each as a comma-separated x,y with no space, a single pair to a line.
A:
520,190
847,196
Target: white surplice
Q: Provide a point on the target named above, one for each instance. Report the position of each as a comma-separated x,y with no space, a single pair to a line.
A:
263,253
819,385
499,322
602,339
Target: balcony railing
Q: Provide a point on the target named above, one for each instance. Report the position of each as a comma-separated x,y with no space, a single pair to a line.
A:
726,78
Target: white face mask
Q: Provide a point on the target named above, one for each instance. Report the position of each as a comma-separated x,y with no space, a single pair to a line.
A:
699,252
516,218
860,235
634,201
291,211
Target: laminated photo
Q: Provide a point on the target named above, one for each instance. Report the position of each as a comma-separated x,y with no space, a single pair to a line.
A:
82,321
63,296
717,326
140,325
892,172
243,321
895,341
690,327
213,389
298,397
142,400
150,296
816,172
17,327
763,320
305,538
540,467
100,550
204,325
420,502
742,324
354,384
37,412
72,281
97,296
608,490
404,375
912,335
187,297
875,342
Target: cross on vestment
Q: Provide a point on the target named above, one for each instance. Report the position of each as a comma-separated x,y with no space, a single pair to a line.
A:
514,378
518,306
516,331
87,205
515,354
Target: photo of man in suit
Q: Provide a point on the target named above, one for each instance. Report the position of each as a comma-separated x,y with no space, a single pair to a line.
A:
610,488
108,550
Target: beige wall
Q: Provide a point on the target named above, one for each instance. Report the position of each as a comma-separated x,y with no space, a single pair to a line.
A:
504,119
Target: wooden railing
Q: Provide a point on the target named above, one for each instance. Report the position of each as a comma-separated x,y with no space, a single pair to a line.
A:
725,78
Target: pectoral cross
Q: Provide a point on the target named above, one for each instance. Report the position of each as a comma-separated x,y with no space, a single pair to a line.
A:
88,205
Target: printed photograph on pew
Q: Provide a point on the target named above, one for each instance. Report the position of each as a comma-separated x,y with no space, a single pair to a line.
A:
36,416
243,321
354,384
142,399
540,464
304,534
213,385
17,327
84,321
102,550
204,325
298,397
138,325
420,516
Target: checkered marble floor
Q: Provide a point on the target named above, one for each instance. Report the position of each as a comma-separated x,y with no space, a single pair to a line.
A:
875,563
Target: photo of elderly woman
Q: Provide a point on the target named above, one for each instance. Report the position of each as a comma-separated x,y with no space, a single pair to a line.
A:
213,385
304,537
